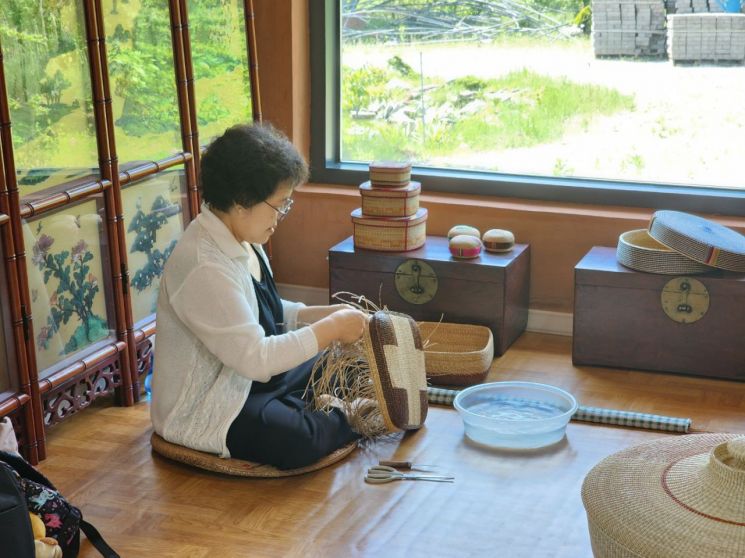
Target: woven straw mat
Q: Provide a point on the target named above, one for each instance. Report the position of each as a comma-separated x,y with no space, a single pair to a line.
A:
239,467
393,347
681,497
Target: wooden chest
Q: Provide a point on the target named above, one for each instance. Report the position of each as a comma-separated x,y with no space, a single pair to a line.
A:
629,319
491,290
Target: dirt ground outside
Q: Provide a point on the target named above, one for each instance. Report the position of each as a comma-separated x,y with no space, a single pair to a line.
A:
687,127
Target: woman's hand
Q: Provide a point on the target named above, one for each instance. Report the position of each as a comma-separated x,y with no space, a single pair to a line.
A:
311,314
344,324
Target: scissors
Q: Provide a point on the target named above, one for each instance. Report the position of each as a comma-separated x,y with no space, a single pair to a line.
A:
380,474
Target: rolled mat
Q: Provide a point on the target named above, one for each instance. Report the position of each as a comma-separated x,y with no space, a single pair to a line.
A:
442,396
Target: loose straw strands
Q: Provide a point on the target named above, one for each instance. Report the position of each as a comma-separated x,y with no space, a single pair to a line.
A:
341,379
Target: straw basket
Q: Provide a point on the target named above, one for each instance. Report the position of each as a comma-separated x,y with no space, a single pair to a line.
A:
676,497
637,250
390,234
390,202
456,354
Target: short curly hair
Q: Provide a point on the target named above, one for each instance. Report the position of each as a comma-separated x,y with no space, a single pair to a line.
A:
246,164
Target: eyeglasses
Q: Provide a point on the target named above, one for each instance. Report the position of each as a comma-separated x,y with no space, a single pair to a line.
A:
282,210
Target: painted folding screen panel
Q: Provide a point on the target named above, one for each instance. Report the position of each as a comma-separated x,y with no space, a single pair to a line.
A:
68,282
154,213
143,83
49,91
8,375
220,65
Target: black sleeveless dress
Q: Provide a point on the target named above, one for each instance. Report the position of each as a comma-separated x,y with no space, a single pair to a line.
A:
275,426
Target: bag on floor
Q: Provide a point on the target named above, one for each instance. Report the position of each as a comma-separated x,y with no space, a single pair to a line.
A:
20,482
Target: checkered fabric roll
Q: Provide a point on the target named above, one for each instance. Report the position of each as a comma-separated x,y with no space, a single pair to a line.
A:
629,418
441,396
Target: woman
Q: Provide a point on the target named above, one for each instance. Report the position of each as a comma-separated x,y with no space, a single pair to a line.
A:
232,357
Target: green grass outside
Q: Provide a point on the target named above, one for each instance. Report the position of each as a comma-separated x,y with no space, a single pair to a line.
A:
521,109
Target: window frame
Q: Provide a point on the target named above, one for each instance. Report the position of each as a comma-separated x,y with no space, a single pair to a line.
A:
327,167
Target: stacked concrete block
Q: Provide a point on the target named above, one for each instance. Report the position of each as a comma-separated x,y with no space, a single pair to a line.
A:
628,27
710,37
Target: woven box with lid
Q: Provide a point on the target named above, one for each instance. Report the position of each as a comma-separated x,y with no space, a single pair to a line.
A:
390,234
390,202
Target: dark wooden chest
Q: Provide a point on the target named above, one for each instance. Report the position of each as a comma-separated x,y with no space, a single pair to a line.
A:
621,319
491,290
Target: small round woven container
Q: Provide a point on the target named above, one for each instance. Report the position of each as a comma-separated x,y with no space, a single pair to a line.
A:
699,239
456,354
458,230
498,240
681,497
390,202
637,250
465,246
390,234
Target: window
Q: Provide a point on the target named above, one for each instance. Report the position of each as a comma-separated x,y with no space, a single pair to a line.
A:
522,102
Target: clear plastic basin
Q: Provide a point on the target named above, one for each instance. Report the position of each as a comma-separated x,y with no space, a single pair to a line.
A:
516,415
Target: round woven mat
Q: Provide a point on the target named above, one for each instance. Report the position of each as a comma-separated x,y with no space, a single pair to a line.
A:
701,240
680,497
239,467
639,251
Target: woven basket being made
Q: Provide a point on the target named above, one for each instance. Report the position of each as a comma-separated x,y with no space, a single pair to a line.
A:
681,497
456,354
701,240
238,467
639,251
390,234
395,356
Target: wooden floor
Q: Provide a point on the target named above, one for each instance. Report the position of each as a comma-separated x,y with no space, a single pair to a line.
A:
510,504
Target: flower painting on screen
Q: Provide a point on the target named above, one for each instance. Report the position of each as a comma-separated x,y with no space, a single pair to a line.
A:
65,274
154,223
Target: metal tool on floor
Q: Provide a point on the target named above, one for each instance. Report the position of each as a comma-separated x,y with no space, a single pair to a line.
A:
380,474
408,465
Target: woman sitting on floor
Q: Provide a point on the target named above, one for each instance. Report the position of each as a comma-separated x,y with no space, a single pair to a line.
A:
232,357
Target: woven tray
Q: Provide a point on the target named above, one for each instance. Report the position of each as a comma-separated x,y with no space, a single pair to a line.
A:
637,250
456,354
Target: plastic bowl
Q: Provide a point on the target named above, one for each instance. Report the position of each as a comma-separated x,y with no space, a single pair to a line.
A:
515,415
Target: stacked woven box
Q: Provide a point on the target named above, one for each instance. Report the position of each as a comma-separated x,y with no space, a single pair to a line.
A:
628,27
707,37
390,219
